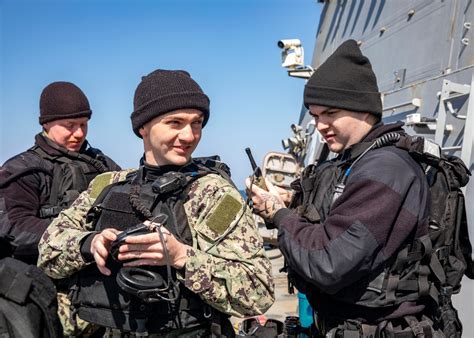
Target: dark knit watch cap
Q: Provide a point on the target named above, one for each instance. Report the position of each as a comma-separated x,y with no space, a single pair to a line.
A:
346,81
163,91
63,100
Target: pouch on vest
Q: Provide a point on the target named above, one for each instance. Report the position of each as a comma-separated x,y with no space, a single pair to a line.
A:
28,305
309,203
69,180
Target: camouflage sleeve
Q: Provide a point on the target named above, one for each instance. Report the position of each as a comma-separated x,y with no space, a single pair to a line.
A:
227,265
60,245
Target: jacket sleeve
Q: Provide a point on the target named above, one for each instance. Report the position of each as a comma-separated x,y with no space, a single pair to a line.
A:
227,265
22,203
60,246
384,202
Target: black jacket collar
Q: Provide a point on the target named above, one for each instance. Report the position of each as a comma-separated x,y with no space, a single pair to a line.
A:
377,130
54,149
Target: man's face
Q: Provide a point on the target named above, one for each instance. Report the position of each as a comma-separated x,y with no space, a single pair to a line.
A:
171,138
340,128
68,133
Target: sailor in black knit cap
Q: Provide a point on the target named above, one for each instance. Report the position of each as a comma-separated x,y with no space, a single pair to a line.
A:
37,184
193,256
351,217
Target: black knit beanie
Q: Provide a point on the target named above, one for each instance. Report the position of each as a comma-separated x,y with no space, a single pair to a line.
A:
63,100
163,91
345,80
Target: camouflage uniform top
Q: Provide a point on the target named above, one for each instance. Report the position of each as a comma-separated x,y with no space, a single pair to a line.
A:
227,265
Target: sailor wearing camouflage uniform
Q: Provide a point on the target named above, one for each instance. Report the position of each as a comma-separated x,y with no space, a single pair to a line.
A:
196,256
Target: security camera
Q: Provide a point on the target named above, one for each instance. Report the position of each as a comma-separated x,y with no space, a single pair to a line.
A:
292,54
288,43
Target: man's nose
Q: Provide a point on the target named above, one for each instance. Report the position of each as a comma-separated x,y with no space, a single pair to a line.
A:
187,134
321,125
79,132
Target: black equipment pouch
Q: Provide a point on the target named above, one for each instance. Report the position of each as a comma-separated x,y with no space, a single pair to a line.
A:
314,190
69,180
251,327
28,305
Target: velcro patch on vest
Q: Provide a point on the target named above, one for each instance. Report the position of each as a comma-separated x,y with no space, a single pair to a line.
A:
100,182
224,214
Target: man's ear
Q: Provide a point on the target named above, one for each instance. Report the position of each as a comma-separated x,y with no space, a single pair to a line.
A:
371,119
142,131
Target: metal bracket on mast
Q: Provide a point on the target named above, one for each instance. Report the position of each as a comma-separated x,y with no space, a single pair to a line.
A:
449,91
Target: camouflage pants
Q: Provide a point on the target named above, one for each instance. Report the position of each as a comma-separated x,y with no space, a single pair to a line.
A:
72,326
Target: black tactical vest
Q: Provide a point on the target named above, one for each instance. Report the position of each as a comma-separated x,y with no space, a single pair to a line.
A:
71,174
64,176
98,298
432,266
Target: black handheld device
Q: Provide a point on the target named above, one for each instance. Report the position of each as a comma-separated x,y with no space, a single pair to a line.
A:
259,180
139,229
169,182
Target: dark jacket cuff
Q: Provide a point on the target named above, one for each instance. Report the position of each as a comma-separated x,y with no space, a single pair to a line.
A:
86,248
280,215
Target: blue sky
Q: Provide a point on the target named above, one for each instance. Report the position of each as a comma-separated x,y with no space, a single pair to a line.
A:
104,46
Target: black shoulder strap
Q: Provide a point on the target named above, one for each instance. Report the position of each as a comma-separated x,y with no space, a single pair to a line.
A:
43,155
41,167
213,164
68,156
24,172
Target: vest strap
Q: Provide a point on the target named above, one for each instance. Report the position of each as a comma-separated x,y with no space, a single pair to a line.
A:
47,212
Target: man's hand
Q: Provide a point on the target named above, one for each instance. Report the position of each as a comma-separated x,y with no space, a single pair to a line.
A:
265,203
285,195
149,250
100,247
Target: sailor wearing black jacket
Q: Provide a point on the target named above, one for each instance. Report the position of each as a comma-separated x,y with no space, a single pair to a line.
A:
364,206
37,184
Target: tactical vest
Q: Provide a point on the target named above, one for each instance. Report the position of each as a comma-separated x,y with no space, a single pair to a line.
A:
71,175
98,298
433,265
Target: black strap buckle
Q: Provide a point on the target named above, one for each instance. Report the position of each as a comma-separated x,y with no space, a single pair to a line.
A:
49,212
